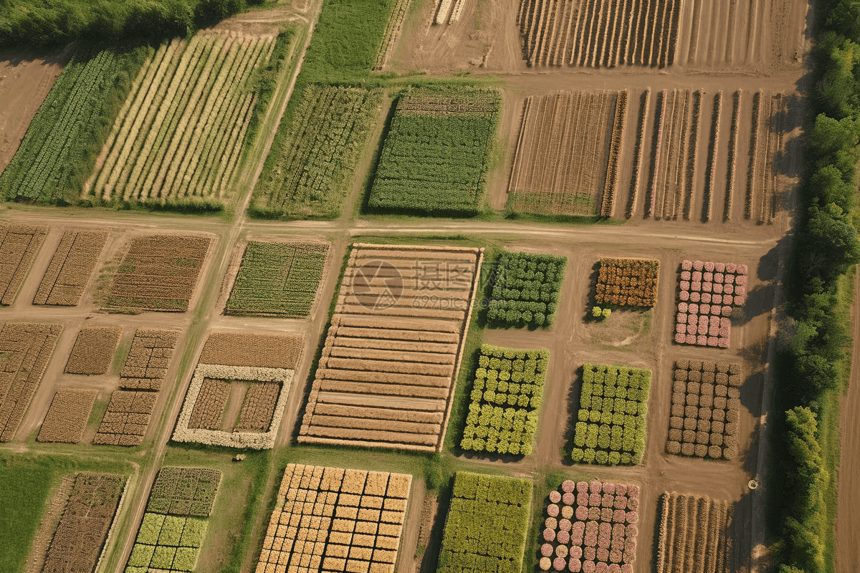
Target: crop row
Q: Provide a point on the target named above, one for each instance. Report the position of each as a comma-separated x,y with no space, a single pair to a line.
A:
712,163
672,191
640,152
610,187
692,534
733,154
391,34
70,268
19,245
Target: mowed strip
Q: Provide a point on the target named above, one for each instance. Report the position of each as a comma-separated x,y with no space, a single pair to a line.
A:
393,349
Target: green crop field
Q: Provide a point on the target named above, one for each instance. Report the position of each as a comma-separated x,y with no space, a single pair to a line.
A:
524,289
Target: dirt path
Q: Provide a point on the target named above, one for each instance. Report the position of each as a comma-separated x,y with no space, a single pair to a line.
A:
847,517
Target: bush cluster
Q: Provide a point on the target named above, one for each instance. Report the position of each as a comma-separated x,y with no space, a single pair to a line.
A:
613,405
506,399
486,526
628,282
524,289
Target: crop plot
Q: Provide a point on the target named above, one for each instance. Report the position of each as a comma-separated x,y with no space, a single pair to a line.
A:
763,193
18,247
708,294
525,289
180,134
158,272
126,419
692,534
392,32
392,353
613,408
705,409
566,160
486,525
591,527
67,417
251,370
70,269
25,349
278,279
86,522
674,162
506,399
600,33
436,154
330,519
148,359
175,523
93,350
310,167
628,282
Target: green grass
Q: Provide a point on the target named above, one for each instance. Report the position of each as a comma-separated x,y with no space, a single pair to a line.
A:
24,490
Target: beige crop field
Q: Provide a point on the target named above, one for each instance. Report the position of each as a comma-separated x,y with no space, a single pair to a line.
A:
18,247
94,349
67,417
71,267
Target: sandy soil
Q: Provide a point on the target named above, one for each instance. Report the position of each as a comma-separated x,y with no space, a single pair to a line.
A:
24,83
847,519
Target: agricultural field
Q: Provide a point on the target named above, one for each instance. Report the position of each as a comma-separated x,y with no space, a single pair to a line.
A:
692,534
240,387
394,347
67,417
567,154
175,523
708,294
86,523
591,526
25,349
148,359
310,168
18,247
627,282
524,289
613,409
392,32
486,525
331,519
70,269
506,400
180,133
439,143
93,350
126,419
705,409
278,279
158,273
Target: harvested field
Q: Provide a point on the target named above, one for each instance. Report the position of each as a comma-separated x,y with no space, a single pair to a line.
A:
392,353
278,279
705,409
628,282
67,417
567,153
600,33
126,419
692,534
392,33
25,349
348,520
148,359
78,541
94,349
70,269
672,173
179,136
707,294
261,368
18,247
184,491
158,272
591,526
763,193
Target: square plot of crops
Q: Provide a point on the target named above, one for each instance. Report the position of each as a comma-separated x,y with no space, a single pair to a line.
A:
158,272
591,527
708,293
148,359
184,491
705,409
70,269
278,279
436,153
67,417
692,533
93,350
628,282
331,519
613,406
126,418
486,525
562,160
524,289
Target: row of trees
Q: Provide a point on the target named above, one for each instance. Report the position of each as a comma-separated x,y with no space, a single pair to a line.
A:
57,22
826,247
